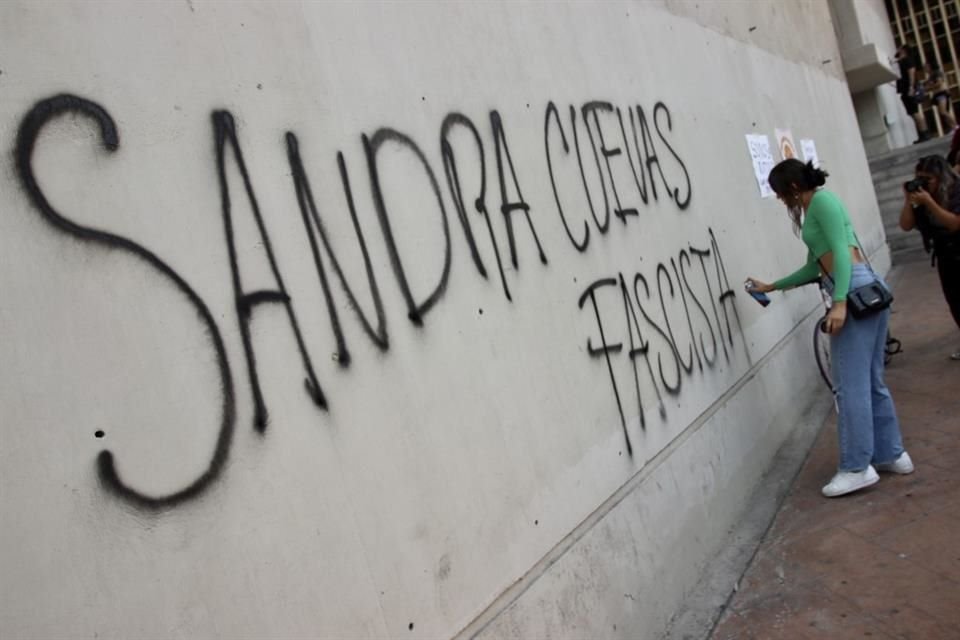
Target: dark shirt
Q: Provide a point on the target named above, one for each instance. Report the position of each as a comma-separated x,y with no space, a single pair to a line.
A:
935,237
953,201
910,60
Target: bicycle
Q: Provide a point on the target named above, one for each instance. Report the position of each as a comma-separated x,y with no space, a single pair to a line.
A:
821,345
821,352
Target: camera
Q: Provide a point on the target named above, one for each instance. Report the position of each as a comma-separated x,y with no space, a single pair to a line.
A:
915,185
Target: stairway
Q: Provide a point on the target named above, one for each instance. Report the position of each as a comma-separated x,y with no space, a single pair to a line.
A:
889,171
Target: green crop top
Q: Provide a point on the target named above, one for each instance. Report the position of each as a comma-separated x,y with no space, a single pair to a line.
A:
826,228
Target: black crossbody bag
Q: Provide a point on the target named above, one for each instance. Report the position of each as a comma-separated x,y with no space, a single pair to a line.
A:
870,298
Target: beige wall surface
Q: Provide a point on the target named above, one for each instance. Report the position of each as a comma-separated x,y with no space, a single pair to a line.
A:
884,123
341,319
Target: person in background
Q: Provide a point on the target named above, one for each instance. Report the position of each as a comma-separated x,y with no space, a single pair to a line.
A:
908,59
931,204
867,424
935,85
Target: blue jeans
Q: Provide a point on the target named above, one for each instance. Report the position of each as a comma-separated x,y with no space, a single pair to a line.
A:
869,431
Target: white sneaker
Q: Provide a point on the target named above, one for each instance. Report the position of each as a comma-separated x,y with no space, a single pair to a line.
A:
902,465
849,481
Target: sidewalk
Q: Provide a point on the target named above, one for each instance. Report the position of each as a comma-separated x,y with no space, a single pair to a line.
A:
883,562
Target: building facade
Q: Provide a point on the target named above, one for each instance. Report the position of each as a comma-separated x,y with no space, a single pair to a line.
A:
934,27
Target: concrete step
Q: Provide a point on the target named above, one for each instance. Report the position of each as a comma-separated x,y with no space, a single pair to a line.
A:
891,203
908,156
890,210
891,190
894,166
890,200
905,242
897,174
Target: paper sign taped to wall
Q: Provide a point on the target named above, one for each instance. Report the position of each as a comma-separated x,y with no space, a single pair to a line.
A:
809,152
788,149
762,159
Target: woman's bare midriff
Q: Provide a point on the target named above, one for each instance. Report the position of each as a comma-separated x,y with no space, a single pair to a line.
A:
827,258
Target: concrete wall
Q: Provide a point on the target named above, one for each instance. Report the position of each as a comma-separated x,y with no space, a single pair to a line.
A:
205,436
863,25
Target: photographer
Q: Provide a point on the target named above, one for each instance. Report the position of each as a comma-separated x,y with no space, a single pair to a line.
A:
932,206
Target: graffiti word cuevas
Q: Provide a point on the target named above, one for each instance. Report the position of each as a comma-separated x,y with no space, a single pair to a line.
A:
621,142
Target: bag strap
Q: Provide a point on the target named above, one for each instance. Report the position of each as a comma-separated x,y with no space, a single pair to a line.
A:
823,270
863,252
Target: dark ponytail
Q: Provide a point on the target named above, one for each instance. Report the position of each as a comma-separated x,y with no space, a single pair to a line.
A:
816,177
793,172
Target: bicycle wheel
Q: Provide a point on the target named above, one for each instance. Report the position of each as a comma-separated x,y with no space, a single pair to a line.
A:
891,348
821,351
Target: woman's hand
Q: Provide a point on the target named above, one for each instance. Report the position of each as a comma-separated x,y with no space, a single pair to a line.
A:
907,218
758,285
835,318
920,197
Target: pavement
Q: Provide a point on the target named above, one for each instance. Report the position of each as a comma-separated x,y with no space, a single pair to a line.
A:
883,562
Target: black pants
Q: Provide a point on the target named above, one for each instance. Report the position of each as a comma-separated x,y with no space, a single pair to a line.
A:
910,104
948,266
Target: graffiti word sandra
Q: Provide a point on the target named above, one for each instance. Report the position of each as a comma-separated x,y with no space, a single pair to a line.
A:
622,142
